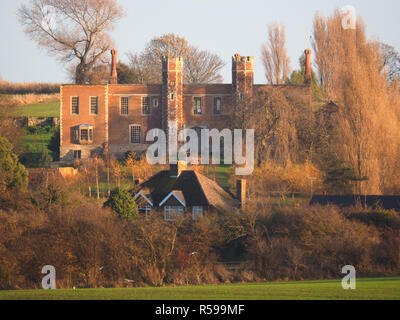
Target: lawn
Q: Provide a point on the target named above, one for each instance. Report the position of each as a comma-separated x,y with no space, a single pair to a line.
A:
367,289
34,143
39,110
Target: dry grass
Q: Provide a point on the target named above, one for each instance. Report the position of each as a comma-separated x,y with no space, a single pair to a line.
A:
28,87
33,99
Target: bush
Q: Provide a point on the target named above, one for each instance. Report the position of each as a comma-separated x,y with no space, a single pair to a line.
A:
13,175
378,218
121,201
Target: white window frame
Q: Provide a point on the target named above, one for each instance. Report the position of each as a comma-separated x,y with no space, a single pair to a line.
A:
90,105
146,210
130,133
197,212
178,212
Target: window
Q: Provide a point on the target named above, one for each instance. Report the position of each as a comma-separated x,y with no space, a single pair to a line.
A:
77,154
124,105
94,105
74,105
172,96
84,135
172,212
135,133
197,105
197,212
242,96
217,105
145,210
155,102
146,105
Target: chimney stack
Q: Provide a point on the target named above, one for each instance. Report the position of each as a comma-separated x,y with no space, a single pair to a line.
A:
307,74
241,191
114,74
176,169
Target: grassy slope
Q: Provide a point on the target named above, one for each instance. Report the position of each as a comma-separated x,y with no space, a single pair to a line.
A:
39,110
369,289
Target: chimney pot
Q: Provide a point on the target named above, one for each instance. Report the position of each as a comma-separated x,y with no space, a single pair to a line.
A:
307,74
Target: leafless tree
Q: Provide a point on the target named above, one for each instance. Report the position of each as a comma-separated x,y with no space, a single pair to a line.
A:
72,29
390,61
274,55
202,67
199,66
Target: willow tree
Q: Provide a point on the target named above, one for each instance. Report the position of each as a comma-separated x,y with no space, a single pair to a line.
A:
368,127
72,30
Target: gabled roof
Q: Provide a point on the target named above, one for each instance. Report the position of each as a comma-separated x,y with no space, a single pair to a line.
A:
145,196
192,187
178,195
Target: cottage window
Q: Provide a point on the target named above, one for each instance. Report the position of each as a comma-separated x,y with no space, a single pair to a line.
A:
135,133
74,105
197,105
197,212
146,105
172,212
145,210
77,154
94,105
124,105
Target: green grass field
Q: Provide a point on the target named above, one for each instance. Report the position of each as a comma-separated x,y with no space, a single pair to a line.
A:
39,110
367,289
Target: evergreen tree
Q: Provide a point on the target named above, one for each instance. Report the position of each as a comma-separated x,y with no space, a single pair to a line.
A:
121,201
13,175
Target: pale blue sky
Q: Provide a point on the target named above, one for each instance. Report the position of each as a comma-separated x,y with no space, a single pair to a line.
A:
221,26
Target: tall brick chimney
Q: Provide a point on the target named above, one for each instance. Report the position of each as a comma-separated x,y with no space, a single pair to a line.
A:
172,93
307,74
114,74
242,77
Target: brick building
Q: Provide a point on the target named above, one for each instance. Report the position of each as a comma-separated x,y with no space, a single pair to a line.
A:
118,116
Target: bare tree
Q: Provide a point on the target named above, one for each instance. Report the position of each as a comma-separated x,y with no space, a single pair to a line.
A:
390,61
274,55
72,29
202,67
199,66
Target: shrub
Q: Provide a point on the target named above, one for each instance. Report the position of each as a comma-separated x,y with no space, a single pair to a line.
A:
12,173
121,201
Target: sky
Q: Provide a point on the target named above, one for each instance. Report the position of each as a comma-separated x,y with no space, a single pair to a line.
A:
224,27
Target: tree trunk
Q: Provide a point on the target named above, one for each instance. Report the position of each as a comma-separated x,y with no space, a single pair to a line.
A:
80,73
